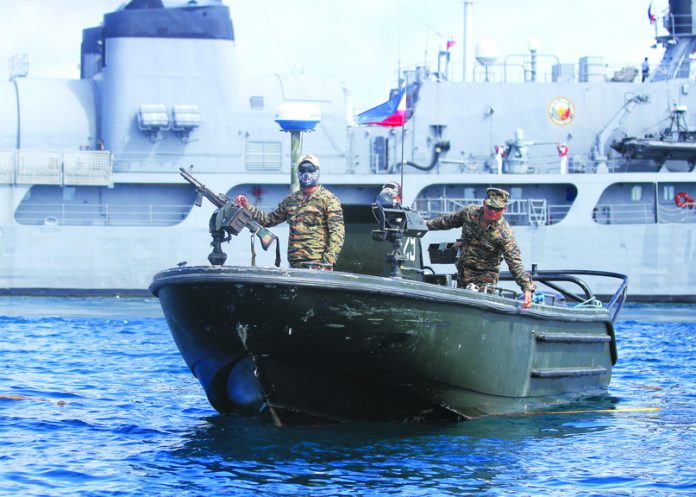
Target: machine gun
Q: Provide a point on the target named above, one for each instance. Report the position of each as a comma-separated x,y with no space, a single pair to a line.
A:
395,224
227,220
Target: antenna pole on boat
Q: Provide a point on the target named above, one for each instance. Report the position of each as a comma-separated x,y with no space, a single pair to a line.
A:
295,150
296,118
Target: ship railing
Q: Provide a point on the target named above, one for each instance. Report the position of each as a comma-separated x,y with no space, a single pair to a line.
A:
580,292
674,214
430,207
538,164
48,167
102,214
520,212
623,214
643,213
518,68
678,25
577,164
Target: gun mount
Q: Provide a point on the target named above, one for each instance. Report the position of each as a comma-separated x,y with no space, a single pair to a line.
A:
228,220
395,224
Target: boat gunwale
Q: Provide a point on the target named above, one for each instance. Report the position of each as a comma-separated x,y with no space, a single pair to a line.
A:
377,285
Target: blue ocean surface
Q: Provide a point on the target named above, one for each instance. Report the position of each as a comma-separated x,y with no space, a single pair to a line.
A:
96,400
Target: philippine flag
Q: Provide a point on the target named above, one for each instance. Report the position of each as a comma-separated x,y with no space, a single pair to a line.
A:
390,113
651,14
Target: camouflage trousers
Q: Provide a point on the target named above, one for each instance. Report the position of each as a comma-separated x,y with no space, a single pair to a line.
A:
465,276
311,264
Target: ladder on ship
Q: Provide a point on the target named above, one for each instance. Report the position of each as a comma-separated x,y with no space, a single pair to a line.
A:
537,212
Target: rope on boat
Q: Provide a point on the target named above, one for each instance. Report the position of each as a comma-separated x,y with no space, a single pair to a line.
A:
591,302
538,297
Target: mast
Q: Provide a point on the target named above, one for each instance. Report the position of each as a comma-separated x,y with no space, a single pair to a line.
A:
680,43
466,37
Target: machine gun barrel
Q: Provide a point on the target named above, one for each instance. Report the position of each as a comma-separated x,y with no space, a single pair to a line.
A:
217,199
228,217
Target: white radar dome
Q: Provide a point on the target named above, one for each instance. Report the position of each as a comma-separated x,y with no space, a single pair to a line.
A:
297,116
486,51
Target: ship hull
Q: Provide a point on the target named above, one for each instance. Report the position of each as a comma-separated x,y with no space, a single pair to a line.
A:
658,257
305,347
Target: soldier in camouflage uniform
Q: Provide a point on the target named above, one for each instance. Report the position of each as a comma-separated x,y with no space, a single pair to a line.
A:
487,238
314,216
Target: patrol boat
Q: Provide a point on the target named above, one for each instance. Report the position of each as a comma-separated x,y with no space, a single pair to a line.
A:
383,338
676,142
92,163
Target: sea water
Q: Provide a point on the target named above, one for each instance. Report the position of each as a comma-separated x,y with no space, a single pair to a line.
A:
96,400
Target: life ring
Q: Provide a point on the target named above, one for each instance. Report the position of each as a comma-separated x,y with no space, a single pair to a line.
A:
683,199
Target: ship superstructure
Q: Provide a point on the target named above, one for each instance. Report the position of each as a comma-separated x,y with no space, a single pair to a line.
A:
89,169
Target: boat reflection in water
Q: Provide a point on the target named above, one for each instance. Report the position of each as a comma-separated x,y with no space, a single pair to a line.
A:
246,441
302,346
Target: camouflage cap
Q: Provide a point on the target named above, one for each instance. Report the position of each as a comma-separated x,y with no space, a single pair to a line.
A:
309,158
495,197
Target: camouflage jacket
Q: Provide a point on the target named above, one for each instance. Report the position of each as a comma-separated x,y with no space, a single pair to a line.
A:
483,250
316,225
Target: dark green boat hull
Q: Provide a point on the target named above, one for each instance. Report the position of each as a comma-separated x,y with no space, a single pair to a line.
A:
304,346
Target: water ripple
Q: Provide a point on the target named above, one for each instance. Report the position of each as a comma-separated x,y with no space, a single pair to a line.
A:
97,401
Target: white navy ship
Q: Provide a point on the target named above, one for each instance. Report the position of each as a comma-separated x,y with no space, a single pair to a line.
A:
599,164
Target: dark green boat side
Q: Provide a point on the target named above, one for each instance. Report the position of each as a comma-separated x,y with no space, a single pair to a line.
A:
315,346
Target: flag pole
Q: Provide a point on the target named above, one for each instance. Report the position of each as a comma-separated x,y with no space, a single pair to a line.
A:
403,137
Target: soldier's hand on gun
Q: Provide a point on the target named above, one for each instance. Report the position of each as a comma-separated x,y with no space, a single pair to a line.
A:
527,299
241,201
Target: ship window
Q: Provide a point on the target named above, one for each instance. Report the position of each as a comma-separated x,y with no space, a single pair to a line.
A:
531,205
256,102
668,208
571,193
379,154
668,192
69,194
622,203
263,156
122,205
